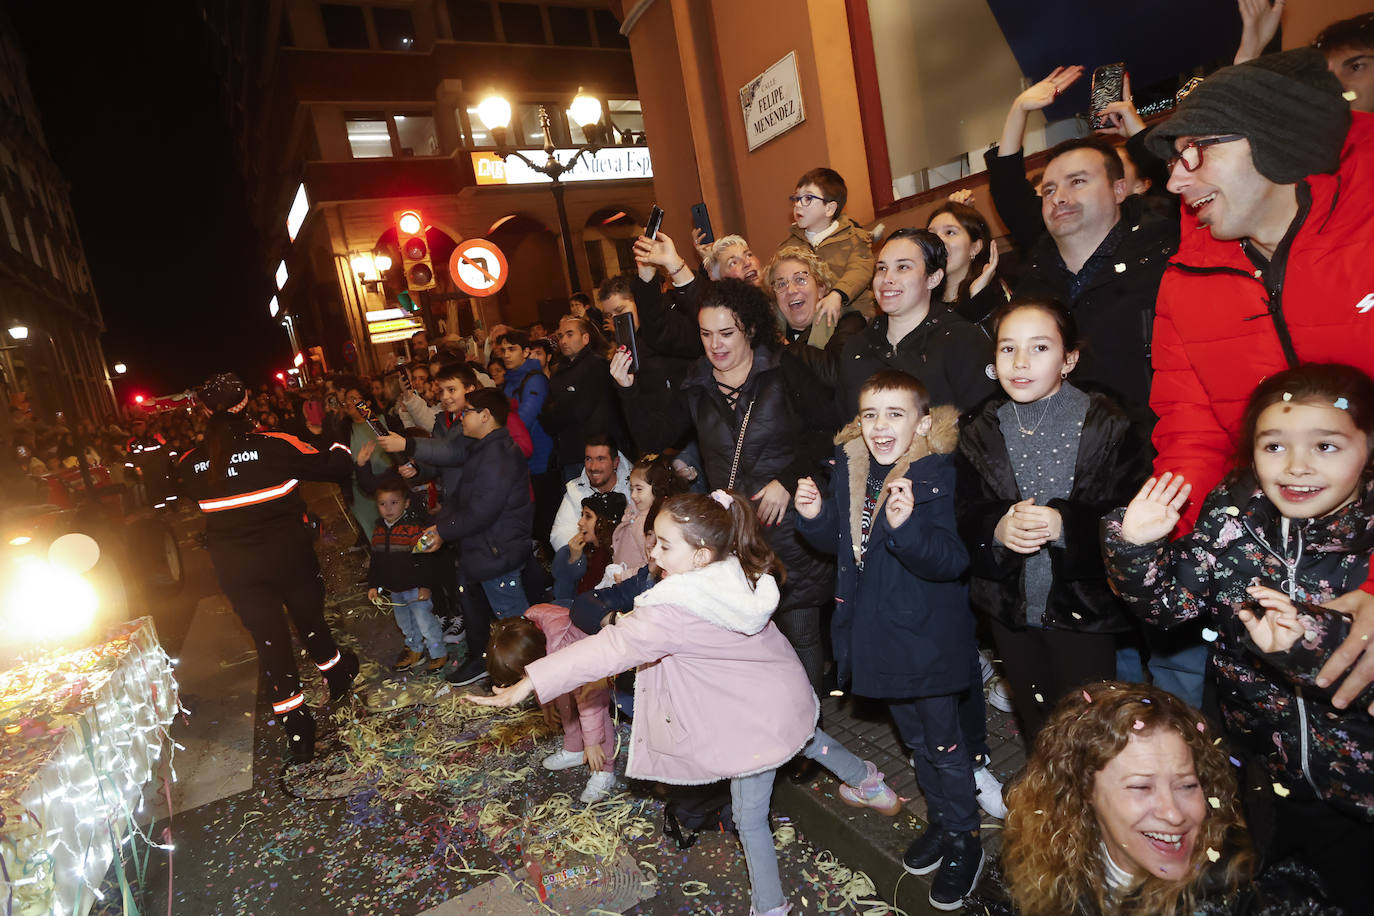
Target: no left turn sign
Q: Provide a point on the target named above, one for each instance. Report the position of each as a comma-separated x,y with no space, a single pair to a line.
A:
478,267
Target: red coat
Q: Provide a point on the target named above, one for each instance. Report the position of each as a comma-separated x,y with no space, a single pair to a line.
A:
1217,331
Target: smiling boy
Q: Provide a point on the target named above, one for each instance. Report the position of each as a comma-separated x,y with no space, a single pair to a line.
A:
902,628
820,225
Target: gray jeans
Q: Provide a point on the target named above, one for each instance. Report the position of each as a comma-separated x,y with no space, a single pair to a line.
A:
749,797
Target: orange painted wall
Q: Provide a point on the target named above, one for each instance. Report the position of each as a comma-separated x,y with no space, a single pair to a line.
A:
1302,21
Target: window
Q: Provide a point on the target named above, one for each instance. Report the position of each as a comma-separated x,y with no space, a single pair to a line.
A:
608,30
415,133
628,118
477,133
52,261
395,28
9,224
471,20
368,137
531,133
33,242
344,26
523,23
570,26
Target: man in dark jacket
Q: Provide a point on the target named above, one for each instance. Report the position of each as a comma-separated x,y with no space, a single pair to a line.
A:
1102,255
951,357
491,517
580,397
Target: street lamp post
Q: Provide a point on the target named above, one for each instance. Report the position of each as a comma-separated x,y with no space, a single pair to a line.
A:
495,112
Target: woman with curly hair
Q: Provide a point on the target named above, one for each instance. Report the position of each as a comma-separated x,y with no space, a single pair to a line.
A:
761,423
800,279
1130,806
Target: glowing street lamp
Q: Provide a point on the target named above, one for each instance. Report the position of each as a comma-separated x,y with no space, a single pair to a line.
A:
120,368
19,332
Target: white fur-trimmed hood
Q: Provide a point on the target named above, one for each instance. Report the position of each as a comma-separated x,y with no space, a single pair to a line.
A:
721,594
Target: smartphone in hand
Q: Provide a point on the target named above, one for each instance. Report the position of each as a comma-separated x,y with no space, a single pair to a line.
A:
655,222
1109,85
702,220
625,337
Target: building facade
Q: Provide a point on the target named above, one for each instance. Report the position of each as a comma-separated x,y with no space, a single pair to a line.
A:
349,113
45,283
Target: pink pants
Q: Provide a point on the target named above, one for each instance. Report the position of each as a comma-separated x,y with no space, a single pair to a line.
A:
594,711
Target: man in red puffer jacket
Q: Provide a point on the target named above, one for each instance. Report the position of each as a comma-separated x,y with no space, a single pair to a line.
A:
1269,160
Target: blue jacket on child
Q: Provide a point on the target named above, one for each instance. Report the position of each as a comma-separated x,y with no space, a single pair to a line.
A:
902,626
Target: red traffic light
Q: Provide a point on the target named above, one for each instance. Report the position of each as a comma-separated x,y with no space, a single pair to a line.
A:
410,222
281,376
138,399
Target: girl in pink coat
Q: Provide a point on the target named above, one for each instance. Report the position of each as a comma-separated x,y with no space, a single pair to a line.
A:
719,692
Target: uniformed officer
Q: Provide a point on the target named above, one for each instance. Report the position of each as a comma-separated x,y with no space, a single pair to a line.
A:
149,459
247,484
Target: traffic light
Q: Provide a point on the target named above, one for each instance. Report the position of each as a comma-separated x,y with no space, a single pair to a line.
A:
415,262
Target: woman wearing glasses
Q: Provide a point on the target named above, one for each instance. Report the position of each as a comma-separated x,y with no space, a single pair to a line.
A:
800,280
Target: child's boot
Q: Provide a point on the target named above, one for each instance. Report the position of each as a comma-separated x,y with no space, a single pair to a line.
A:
959,871
871,793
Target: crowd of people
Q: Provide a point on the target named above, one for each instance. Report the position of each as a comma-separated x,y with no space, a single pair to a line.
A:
1125,463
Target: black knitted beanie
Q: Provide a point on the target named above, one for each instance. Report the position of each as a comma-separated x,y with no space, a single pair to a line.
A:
1289,106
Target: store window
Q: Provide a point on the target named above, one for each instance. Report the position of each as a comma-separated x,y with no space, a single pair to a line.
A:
522,23
628,118
395,28
570,25
471,20
368,136
344,25
415,134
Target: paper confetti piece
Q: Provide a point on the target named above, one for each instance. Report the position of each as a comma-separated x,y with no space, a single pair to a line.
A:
1281,790
1212,854
1209,634
1138,725
1202,726
1214,801
1087,697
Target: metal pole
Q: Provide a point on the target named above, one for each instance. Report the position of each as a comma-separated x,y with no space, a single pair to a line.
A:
573,282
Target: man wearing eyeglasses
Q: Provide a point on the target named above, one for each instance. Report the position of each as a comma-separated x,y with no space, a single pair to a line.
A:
1276,267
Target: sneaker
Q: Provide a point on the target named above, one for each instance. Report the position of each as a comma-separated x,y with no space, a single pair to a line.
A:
926,852
599,785
453,631
563,759
407,659
989,791
985,663
959,873
999,697
436,663
469,672
871,793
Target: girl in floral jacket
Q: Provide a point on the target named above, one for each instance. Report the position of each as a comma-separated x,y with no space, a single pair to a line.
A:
1291,528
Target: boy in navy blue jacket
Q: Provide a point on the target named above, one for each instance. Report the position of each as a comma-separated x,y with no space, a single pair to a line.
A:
902,629
403,578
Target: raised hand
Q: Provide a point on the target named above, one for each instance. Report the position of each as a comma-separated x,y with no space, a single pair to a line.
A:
900,502
1048,89
365,453
1259,23
1280,627
620,368
703,247
989,272
808,498
1126,121
1154,511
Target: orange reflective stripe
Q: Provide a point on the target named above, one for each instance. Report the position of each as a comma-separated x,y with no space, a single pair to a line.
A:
325,666
305,448
288,704
248,499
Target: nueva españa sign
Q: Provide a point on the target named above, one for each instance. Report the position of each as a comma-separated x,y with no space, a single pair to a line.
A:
772,102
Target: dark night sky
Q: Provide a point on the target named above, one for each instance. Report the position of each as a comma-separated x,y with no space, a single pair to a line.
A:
130,104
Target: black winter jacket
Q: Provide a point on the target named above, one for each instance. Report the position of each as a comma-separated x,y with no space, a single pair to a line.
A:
1270,703
1109,468
1115,309
902,626
578,405
950,356
787,438
491,516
